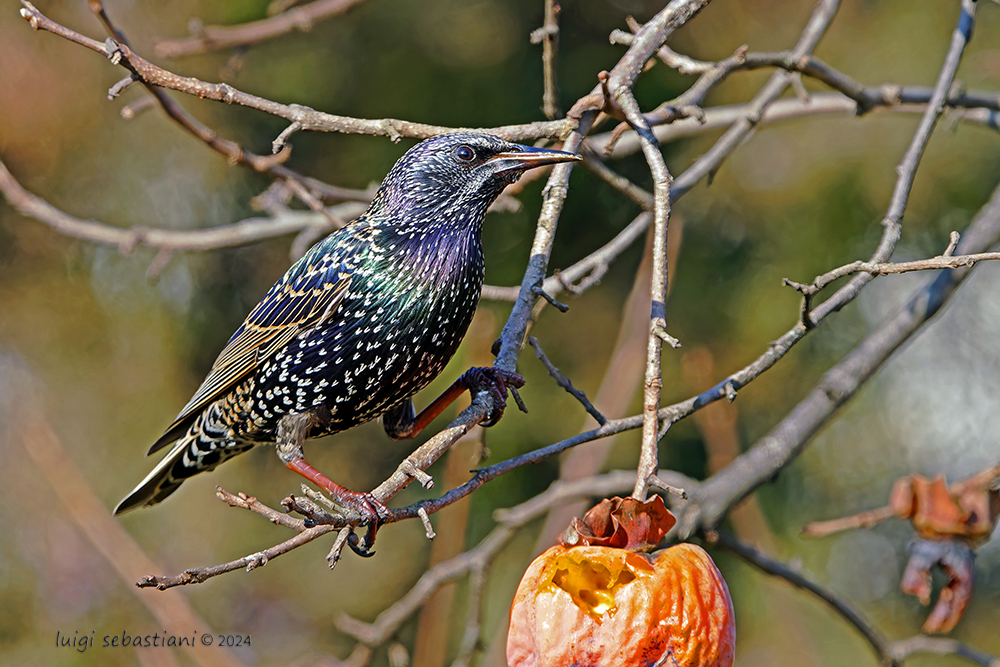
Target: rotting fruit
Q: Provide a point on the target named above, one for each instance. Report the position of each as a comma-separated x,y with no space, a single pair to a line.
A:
599,599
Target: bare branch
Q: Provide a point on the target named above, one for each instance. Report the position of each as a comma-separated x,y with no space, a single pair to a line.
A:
241,233
553,197
254,505
670,58
710,162
565,383
875,269
787,439
200,574
548,36
390,620
307,118
619,86
980,110
904,648
214,37
775,568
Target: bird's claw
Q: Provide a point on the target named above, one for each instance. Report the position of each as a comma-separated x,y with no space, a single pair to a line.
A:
496,381
373,513
363,547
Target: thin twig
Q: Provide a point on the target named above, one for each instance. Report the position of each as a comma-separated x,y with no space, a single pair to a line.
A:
875,269
214,37
787,439
978,108
775,568
308,118
548,36
904,648
672,59
240,233
709,163
565,383
619,85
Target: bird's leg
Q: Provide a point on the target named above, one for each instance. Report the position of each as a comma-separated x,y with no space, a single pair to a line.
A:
494,380
292,431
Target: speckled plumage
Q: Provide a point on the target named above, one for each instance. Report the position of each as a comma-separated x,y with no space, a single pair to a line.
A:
365,319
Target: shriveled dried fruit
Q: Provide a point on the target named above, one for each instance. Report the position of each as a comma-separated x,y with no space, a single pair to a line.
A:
967,510
958,562
952,520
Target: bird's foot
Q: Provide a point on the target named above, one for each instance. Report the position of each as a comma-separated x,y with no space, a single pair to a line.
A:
496,381
367,506
371,510
361,504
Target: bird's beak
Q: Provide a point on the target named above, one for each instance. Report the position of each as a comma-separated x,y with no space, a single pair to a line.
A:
528,157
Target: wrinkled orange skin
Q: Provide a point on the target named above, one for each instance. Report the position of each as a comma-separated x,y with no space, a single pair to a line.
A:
639,610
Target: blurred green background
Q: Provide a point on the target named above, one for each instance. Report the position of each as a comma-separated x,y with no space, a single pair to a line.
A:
116,355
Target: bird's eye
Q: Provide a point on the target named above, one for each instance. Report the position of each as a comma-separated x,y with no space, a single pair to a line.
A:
465,154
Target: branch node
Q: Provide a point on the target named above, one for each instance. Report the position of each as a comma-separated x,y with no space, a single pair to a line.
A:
952,244
801,288
228,93
117,89
256,560
408,467
662,334
537,290
28,12
426,520
114,51
280,141
337,550
730,391
657,482
390,131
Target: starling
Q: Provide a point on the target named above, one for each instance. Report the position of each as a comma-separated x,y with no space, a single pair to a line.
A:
365,319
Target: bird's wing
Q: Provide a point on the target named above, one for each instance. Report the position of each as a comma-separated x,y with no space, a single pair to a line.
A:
307,295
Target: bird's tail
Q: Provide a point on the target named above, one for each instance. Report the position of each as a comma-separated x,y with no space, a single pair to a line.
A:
195,452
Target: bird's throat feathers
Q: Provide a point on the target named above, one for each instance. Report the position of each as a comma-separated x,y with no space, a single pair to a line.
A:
434,252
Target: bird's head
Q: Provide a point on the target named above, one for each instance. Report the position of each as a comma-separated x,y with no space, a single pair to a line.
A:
462,173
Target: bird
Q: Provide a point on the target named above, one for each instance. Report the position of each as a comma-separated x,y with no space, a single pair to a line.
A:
365,319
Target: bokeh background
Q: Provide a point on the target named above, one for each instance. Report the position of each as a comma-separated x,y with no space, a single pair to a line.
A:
111,355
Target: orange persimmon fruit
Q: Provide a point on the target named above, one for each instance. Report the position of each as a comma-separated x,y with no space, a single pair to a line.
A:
586,605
